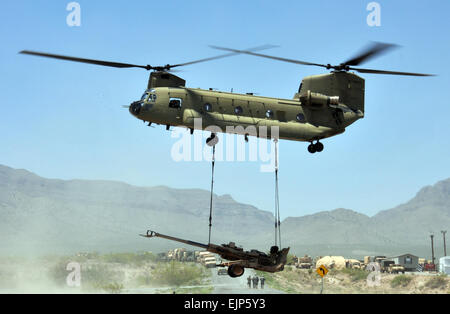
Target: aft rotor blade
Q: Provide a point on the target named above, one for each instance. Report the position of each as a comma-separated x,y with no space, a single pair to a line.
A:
269,57
375,49
373,71
223,56
83,60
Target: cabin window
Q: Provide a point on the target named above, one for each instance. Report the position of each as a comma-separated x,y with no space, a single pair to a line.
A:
408,260
269,114
207,107
175,103
238,110
301,118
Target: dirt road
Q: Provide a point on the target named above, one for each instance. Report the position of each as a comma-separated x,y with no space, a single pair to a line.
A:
224,284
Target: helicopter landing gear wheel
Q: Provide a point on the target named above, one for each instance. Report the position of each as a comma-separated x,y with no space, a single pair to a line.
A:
315,148
212,140
312,149
319,147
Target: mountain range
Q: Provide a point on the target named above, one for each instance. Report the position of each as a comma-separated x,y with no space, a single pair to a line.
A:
50,216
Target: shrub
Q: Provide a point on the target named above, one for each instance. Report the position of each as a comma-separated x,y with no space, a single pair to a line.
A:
128,258
355,274
177,274
438,282
401,280
113,288
92,276
99,276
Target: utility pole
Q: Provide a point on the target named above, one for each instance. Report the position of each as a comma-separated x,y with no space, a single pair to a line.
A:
432,249
445,247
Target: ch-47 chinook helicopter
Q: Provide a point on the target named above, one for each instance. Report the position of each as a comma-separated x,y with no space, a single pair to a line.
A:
324,106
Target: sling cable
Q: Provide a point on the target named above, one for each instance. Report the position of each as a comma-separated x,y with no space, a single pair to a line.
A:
212,141
277,201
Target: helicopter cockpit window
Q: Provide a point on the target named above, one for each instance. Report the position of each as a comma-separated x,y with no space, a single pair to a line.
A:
148,97
144,97
175,103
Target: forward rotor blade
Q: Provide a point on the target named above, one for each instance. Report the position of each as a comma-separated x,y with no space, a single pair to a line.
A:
223,56
269,57
82,60
127,65
373,50
371,71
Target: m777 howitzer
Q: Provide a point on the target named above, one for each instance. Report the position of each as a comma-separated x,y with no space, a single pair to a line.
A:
237,257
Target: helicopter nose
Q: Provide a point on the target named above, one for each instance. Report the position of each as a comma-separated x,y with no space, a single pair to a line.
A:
135,108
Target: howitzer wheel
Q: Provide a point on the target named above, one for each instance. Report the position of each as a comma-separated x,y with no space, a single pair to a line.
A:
235,271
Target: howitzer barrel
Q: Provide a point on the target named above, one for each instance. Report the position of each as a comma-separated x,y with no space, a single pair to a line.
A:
152,234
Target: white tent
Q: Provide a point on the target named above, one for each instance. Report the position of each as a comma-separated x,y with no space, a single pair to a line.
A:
444,265
330,262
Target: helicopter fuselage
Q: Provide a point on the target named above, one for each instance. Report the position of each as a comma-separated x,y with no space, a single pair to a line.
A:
245,114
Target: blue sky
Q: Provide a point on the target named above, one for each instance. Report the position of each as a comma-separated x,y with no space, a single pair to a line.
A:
64,120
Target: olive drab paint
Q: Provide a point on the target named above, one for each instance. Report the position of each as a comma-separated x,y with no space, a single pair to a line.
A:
335,101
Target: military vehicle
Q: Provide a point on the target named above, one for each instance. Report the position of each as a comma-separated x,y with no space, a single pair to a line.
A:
304,262
237,257
384,265
203,255
189,256
396,269
324,105
179,254
354,264
209,262
389,266
367,260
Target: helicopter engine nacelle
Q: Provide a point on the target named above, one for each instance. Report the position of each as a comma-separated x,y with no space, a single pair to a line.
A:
318,101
